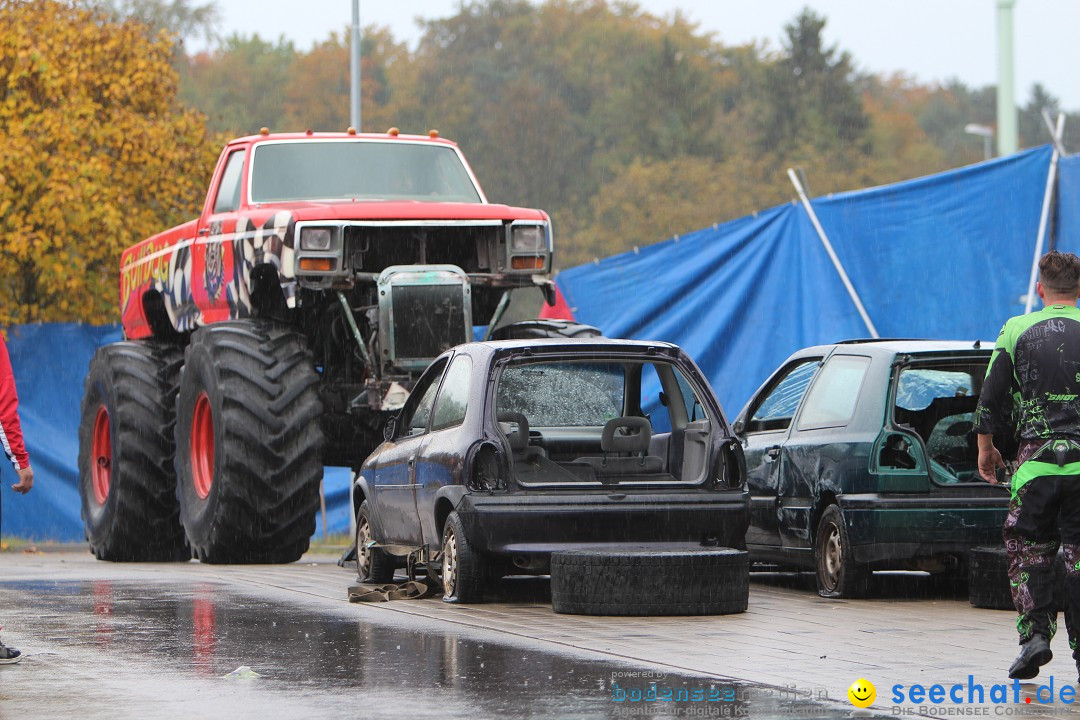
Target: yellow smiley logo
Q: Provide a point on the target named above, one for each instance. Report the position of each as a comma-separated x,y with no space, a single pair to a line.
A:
862,693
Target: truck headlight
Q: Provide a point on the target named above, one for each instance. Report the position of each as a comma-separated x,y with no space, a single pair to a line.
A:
317,239
528,239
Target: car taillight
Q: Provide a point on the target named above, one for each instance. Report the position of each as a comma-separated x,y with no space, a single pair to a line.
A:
729,469
486,473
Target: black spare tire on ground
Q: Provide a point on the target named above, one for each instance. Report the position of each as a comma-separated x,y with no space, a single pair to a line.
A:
691,581
248,443
988,579
127,483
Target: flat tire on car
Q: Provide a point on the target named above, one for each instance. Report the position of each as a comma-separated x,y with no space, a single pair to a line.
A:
838,575
127,483
463,570
248,443
694,581
988,579
372,564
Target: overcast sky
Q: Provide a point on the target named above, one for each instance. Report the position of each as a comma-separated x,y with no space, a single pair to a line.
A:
932,40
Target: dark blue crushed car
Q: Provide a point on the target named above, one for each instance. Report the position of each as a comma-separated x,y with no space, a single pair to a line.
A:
507,451
861,456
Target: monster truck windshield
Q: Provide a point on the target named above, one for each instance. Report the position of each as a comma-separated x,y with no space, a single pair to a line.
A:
290,171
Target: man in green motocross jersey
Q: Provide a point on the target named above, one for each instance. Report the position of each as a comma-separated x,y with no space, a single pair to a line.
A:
1035,372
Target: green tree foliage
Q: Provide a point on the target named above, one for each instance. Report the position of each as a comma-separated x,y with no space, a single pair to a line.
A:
96,156
241,84
181,18
809,98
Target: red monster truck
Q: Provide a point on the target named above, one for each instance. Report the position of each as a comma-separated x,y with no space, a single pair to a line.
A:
278,331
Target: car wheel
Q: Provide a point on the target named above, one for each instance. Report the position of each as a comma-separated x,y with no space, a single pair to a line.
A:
372,564
695,581
463,570
838,575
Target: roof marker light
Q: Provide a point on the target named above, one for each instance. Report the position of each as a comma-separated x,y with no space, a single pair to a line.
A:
351,130
264,131
433,133
393,132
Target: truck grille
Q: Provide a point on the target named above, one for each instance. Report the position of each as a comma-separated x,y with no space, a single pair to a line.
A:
373,249
428,319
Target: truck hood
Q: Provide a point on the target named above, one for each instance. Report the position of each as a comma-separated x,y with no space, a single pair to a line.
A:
404,210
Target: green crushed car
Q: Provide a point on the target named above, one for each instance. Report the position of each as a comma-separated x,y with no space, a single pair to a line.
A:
861,456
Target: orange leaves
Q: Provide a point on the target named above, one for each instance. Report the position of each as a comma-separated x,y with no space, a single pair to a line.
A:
97,155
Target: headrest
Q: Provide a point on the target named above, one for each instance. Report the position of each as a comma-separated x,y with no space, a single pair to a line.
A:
637,442
519,439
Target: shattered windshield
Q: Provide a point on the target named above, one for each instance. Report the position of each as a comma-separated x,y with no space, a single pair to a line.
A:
563,394
359,170
939,403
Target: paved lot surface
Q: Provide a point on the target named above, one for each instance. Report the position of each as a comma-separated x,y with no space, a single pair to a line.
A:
909,633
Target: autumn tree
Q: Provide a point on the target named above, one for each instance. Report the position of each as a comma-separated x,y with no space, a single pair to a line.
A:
96,156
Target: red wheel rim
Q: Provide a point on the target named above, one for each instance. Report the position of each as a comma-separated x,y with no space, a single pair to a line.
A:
202,447
101,473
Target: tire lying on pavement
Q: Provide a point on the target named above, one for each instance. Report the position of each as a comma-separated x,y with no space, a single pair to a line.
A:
694,581
988,579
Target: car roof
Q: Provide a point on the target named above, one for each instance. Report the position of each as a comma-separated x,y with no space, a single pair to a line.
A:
576,344
895,346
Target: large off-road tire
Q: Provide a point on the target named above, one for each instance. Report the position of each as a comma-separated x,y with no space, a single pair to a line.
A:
127,483
372,564
695,581
464,573
838,575
530,329
988,579
248,443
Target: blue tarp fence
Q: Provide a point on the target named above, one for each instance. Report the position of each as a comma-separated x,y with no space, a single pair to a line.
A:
945,256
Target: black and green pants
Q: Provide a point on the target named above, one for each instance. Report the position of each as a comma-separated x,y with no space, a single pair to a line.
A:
1044,514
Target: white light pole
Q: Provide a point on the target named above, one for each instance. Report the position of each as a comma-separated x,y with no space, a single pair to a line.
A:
1006,93
985,132
354,68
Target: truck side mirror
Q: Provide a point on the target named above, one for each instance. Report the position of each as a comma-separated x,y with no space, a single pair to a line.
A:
390,429
739,426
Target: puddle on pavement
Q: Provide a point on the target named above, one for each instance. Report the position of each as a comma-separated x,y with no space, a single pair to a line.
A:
192,635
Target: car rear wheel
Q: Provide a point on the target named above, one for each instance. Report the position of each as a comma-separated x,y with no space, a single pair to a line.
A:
838,575
463,570
372,564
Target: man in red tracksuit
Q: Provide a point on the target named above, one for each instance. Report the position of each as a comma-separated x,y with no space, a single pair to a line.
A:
12,442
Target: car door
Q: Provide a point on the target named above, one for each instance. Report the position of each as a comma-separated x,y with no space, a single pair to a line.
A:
825,453
395,520
764,426
443,448
212,261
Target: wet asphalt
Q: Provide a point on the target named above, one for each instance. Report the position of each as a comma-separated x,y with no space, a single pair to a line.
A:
138,649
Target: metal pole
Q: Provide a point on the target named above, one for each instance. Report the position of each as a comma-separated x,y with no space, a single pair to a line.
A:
832,254
1006,91
1044,218
354,68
